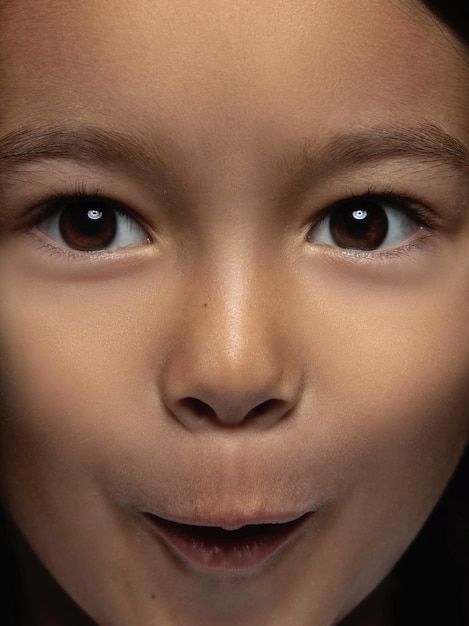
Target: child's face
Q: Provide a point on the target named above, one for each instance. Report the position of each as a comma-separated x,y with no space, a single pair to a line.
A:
237,353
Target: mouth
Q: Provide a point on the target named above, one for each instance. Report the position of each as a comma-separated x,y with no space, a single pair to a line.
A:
213,548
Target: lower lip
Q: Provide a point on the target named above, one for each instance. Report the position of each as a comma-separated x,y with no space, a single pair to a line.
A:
216,549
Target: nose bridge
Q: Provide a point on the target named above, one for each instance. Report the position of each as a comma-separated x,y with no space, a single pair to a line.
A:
231,361
236,302
229,338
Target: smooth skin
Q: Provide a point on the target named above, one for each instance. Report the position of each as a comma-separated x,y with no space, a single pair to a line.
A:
228,365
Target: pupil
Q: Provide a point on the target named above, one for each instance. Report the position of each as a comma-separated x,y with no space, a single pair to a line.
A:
87,229
363,228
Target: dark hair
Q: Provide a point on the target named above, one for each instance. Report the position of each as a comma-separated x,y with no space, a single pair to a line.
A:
454,13
432,577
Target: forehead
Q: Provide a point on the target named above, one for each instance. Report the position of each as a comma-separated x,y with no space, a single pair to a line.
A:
219,70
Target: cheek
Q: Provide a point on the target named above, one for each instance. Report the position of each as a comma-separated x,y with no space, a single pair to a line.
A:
390,395
390,345
388,384
62,375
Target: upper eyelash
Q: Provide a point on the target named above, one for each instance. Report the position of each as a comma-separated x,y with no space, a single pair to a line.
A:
417,210
47,206
413,207
56,201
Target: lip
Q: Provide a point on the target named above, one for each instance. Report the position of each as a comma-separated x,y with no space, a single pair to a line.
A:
216,549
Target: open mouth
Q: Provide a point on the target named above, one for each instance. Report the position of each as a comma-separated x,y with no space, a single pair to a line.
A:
214,548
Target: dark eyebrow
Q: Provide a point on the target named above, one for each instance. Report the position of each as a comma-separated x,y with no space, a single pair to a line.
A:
91,145
425,142
88,145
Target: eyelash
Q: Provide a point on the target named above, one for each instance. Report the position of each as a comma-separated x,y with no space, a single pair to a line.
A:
414,209
57,201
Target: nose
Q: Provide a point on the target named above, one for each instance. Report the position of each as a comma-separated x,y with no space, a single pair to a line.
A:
232,360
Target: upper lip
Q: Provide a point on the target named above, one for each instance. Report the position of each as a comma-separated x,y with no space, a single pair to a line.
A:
234,522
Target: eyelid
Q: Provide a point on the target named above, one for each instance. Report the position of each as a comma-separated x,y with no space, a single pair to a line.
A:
412,205
54,201
415,207
424,219
51,209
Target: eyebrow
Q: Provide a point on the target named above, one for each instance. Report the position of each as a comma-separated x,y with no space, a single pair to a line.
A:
87,145
97,146
426,142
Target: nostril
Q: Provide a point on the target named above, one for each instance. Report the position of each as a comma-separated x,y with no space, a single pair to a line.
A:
193,412
270,406
198,407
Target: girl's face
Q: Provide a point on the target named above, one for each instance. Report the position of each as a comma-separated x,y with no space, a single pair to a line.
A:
234,278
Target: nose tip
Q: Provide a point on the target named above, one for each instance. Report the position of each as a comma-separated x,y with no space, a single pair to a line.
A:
205,385
234,363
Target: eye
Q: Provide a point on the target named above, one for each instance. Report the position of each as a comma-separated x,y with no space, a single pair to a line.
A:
366,224
91,224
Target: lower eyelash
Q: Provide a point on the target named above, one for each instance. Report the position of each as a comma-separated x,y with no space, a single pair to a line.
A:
52,249
424,219
65,254
385,255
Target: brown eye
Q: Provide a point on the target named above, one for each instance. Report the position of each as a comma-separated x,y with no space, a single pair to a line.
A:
91,224
364,224
87,228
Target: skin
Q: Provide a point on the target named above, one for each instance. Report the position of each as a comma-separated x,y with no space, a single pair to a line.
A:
325,379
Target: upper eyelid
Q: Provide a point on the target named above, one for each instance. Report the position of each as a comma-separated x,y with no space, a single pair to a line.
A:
47,207
422,217
50,210
413,207
28,190
142,209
